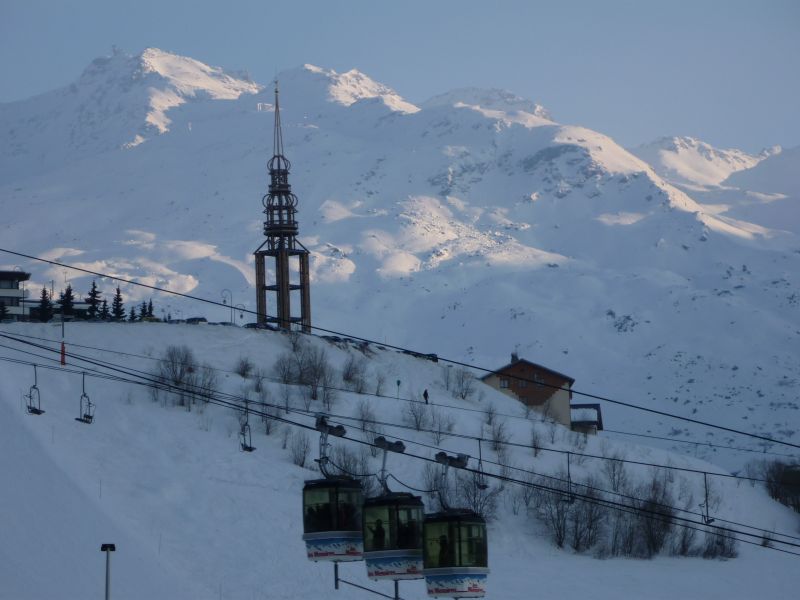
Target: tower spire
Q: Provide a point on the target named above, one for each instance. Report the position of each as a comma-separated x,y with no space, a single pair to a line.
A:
281,229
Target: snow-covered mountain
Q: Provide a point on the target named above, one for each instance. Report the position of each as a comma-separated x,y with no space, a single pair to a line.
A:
470,225
692,162
118,102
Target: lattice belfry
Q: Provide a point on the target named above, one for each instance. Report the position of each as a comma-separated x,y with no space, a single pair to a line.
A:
281,229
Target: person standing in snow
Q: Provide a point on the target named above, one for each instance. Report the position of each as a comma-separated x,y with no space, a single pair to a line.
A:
425,395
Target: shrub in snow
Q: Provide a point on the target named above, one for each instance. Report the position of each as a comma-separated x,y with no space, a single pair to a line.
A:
300,447
416,415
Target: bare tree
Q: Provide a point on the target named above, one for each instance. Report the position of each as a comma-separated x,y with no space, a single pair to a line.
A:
244,367
300,447
176,369
489,414
380,381
473,492
417,415
585,519
441,425
536,440
447,376
354,373
615,472
500,435
553,508
365,414
284,369
464,384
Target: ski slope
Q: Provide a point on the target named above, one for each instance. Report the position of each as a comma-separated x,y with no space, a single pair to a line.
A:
193,517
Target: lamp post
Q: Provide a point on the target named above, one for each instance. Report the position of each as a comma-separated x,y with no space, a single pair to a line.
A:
108,549
228,300
240,308
22,301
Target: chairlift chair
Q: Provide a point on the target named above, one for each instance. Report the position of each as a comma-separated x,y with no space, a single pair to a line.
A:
33,397
86,411
246,441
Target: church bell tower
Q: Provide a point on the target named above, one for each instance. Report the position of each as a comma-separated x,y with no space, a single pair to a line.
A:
281,229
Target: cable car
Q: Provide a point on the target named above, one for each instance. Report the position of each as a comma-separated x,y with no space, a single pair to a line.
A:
393,536
332,519
455,554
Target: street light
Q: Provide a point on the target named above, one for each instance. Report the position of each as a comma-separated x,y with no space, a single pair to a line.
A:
108,549
22,303
228,300
241,308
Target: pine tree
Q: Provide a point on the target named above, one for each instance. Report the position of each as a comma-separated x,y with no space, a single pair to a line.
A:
150,308
143,311
132,315
3,311
117,307
93,300
104,313
45,307
67,301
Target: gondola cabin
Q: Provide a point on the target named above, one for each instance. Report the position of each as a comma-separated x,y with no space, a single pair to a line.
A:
393,536
455,554
332,519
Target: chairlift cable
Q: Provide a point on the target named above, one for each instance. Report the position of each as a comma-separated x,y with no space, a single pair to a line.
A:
442,359
683,522
438,405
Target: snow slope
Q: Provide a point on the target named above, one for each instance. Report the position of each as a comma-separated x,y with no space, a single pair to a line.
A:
470,226
193,517
689,161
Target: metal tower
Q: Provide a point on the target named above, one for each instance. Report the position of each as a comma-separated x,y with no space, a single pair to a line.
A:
280,229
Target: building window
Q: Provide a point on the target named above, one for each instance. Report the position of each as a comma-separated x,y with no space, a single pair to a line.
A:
7,284
522,383
504,383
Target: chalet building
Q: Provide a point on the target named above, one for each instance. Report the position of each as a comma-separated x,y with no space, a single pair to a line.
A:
586,418
543,389
12,293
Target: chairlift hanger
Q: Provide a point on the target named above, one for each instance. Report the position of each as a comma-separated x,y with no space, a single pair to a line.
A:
34,399
86,408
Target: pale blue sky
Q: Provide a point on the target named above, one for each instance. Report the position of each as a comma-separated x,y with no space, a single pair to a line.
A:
725,71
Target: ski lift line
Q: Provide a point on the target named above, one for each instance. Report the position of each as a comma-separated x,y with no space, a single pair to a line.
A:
446,406
590,487
413,489
237,406
554,450
442,359
343,470
545,488
679,521
465,436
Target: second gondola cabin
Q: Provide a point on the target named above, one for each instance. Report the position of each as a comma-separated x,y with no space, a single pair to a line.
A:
455,554
393,536
332,519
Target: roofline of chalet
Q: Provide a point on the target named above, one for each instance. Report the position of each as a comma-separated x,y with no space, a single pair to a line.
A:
532,364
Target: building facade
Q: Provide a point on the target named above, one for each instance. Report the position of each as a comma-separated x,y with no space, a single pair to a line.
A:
13,292
544,390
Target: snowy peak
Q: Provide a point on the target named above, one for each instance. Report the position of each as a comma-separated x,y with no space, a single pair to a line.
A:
165,81
689,161
491,98
494,103
344,89
157,67
119,101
